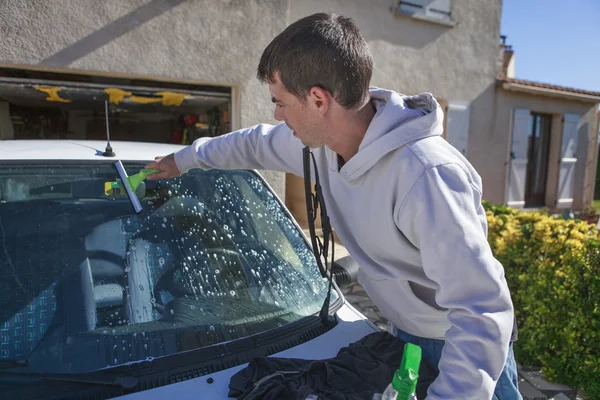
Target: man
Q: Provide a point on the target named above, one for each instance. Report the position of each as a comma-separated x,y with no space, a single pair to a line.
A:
403,201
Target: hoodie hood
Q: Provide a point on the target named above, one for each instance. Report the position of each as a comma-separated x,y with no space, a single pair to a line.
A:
399,120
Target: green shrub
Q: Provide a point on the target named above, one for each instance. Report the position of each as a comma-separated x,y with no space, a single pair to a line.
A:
553,270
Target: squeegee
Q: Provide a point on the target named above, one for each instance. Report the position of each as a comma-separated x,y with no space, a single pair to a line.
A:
129,183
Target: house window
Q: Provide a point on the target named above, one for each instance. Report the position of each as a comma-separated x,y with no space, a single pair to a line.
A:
429,9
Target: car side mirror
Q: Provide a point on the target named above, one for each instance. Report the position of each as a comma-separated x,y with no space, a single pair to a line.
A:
345,271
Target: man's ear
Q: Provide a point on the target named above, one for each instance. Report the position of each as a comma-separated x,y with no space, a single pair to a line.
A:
320,99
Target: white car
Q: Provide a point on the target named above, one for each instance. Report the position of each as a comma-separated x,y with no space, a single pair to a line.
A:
100,301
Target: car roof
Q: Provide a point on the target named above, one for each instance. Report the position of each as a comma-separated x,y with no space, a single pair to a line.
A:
88,150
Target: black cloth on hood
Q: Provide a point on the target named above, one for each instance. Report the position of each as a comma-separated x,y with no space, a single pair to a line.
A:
357,372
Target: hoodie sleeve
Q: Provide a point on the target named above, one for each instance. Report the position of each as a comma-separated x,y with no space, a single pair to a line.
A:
442,215
259,147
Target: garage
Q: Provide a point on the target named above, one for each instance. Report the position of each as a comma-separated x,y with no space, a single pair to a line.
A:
49,105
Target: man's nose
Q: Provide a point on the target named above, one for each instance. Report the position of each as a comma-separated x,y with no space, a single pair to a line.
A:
278,114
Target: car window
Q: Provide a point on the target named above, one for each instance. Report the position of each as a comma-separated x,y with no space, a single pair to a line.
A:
213,257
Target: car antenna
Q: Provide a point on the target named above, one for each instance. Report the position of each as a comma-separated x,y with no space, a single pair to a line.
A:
109,151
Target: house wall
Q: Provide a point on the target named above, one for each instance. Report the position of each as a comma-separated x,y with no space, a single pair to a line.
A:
220,42
499,157
457,64
204,41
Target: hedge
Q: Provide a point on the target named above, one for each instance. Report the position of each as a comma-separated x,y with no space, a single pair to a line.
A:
552,267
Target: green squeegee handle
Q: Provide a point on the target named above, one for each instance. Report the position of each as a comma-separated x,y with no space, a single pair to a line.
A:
135,180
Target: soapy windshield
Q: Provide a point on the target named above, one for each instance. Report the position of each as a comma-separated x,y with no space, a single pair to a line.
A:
87,283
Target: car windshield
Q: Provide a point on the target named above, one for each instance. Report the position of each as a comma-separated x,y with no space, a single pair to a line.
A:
86,283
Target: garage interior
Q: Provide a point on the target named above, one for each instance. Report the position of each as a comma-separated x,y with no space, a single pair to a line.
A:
48,105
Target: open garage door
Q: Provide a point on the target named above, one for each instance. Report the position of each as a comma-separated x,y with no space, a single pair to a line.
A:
73,107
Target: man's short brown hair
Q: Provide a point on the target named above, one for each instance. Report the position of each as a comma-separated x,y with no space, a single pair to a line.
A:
324,50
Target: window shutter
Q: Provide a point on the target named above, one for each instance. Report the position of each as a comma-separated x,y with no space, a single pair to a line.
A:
457,126
517,178
438,9
412,6
568,160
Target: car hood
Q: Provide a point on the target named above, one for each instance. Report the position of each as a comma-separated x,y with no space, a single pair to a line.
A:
352,327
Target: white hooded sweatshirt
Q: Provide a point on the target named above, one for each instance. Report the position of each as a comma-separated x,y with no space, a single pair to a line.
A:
408,208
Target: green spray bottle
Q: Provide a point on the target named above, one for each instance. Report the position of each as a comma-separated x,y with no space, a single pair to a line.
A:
404,381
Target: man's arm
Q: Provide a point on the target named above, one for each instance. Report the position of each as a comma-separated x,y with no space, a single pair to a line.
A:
440,216
259,147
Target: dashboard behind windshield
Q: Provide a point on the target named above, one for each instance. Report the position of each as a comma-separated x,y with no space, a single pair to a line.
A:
85,283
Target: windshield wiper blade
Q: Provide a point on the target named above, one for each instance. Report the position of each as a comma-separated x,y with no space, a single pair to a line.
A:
320,249
125,382
13,363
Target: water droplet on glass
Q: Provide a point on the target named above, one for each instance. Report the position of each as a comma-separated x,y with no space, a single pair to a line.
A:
172,311
217,271
114,331
141,287
212,328
232,292
127,269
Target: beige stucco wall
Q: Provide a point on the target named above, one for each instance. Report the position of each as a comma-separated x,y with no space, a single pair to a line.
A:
209,41
456,64
412,56
220,42
499,152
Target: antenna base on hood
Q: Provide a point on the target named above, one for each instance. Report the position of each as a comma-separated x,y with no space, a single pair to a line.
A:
108,152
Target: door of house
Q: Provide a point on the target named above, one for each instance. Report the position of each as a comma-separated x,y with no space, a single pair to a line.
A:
522,123
537,160
568,160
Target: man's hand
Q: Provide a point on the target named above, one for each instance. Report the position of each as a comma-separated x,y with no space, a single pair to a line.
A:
166,165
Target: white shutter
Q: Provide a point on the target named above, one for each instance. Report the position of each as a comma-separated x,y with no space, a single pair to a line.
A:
568,161
438,9
457,126
519,150
412,6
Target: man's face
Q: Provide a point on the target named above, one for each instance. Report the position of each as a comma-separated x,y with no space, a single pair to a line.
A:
299,116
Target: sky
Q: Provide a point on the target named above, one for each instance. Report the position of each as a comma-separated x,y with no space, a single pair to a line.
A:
555,41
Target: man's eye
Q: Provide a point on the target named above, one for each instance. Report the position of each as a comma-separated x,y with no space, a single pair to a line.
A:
279,105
